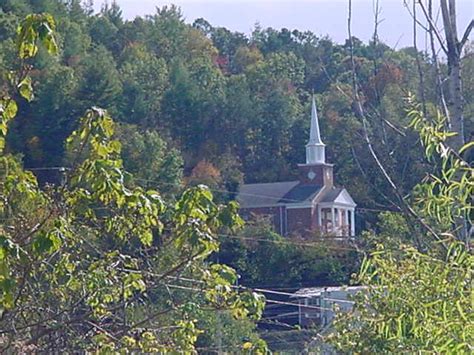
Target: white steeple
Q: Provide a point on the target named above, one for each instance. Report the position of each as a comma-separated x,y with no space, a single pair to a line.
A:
315,149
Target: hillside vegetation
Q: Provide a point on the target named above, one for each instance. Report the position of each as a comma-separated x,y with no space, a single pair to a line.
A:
123,142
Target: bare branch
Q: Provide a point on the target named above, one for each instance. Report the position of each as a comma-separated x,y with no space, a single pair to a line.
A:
449,27
465,37
405,206
434,56
421,88
433,26
413,17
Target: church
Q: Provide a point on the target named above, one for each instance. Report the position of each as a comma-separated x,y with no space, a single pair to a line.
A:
311,205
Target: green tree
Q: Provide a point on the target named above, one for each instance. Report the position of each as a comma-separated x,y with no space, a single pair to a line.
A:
144,79
263,258
420,300
151,160
99,80
88,265
165,32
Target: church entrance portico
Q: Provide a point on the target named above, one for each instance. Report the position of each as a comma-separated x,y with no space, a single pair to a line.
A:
336,220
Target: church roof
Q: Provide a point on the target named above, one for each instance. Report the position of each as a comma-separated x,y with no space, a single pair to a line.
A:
338,195
271,194
301,193
288,192
332,194
268,194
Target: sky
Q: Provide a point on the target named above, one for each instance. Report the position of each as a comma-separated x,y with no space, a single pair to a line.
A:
323,17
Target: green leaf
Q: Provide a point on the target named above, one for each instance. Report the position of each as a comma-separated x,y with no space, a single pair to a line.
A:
146,238
26,89
466,146
8,108
460,310
33,28
47,242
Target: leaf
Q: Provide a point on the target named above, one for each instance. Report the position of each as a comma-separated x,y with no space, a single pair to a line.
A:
7,286
8,108
460,310
47,242
146,238
247,346
26,89
466,146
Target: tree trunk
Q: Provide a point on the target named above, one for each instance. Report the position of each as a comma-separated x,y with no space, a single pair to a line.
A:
453,47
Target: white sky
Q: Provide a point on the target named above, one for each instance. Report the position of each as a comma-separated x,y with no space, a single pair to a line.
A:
323,17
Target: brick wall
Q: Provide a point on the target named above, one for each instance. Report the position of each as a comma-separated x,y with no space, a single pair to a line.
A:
323,174
274,214
299,220
286,221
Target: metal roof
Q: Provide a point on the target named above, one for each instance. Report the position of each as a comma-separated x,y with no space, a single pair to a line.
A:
332,194
316,291
268,194
301,193
271,194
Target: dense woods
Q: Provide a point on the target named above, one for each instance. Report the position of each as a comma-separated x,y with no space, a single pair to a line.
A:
238,103
95,228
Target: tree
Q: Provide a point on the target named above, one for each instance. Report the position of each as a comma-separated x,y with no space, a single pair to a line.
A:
166,32
99,80
452,46
414,302
205,173
151,160
245,57
420,301
267,260
92,264
144,79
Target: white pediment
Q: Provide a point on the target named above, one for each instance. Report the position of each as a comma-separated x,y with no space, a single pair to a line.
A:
344,199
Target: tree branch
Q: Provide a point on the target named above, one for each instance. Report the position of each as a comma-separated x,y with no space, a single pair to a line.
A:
465,37
405,206
433,27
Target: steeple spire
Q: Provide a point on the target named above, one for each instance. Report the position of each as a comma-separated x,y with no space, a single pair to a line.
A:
315,149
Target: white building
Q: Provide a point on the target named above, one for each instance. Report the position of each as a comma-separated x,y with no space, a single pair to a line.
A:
317,305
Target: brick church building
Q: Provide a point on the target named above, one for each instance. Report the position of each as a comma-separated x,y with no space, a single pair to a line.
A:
311,204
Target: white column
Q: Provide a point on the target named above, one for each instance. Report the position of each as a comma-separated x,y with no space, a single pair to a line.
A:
333,220
320,224
346,222
353,229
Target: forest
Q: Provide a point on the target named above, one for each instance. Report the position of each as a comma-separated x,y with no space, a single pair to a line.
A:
123,143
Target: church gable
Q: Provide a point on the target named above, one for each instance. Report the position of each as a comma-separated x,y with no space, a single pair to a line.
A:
339,196
345,199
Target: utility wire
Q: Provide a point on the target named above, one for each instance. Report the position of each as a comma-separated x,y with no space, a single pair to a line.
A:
61,168
243,288
296,243
267,300
268,291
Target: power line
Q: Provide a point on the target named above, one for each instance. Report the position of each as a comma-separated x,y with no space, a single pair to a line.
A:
263,290
266,300
255,289
255,195
61,168
241,287
288,242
